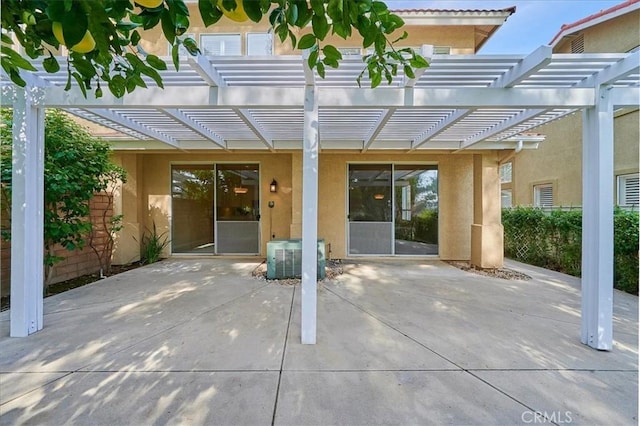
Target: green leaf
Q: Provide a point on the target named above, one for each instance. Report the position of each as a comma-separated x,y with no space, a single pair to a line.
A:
175,50
252,9
379,7
376,78
6,39
168,27
74,26
16,59
292,13
409,71
313,59
419,62
321,70
331,52
150,72
318,7
191,46
156,62
15,77
307,41
135,38
117,86
402,37
320,26
81,83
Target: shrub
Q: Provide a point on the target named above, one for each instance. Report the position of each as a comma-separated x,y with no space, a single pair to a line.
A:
152,245
554,241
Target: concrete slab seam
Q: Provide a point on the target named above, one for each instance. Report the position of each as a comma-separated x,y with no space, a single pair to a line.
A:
284,351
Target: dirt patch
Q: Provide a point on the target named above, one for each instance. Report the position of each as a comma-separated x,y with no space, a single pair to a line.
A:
333,268
503,273
63,286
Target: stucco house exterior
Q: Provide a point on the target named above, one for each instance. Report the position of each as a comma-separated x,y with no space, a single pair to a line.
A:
552,174
373,200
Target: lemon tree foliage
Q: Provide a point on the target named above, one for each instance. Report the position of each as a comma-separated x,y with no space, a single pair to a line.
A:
76,166
102,37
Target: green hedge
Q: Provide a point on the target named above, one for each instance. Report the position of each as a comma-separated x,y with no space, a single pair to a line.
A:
554,241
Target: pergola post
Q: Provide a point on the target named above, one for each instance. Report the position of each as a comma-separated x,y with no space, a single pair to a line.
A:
27,218
597,222
310,216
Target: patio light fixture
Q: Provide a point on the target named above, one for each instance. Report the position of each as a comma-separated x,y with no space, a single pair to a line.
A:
378,196
273,187
240,190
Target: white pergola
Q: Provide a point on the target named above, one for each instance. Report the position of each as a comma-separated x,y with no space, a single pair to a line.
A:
274,103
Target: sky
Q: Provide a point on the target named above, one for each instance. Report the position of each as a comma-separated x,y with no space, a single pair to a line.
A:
534,24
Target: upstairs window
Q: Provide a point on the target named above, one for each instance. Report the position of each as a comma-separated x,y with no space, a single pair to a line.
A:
220,44
259,44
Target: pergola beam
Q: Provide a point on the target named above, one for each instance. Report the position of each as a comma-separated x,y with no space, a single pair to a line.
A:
245,115
377,128
513,121
443,125
206,71
196,127
527,66
619,70
152,133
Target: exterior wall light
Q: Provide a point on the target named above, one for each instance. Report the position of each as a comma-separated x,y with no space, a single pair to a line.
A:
378,196
273,187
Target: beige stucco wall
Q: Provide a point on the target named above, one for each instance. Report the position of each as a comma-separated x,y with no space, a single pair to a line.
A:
151,180
461,38
559,158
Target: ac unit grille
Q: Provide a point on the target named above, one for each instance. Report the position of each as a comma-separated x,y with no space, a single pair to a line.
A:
284,259
288,263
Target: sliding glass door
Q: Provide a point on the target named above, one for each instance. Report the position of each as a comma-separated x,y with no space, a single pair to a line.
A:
370,212
238,209
192,189
215,209
393,209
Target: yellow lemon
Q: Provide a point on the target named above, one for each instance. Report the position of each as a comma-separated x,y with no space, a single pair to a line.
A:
238,14
150,4
86,45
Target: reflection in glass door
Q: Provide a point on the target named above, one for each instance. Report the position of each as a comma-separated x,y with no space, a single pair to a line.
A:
238,209
192,209
393,209
416,209
370,212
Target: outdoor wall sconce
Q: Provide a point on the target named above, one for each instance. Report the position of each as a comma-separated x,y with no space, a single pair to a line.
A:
273,187
378,196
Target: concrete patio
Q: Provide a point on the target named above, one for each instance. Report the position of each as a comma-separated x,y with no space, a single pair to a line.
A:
200,341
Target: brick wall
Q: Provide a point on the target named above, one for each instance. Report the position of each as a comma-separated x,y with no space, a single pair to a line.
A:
77,263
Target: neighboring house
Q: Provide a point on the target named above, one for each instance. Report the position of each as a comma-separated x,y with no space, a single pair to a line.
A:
552,174
212,201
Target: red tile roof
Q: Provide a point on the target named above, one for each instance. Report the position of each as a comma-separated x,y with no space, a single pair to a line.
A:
605,12
511,9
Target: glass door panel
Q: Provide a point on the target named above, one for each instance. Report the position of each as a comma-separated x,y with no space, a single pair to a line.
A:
416,209
238,209
192,209
370,213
